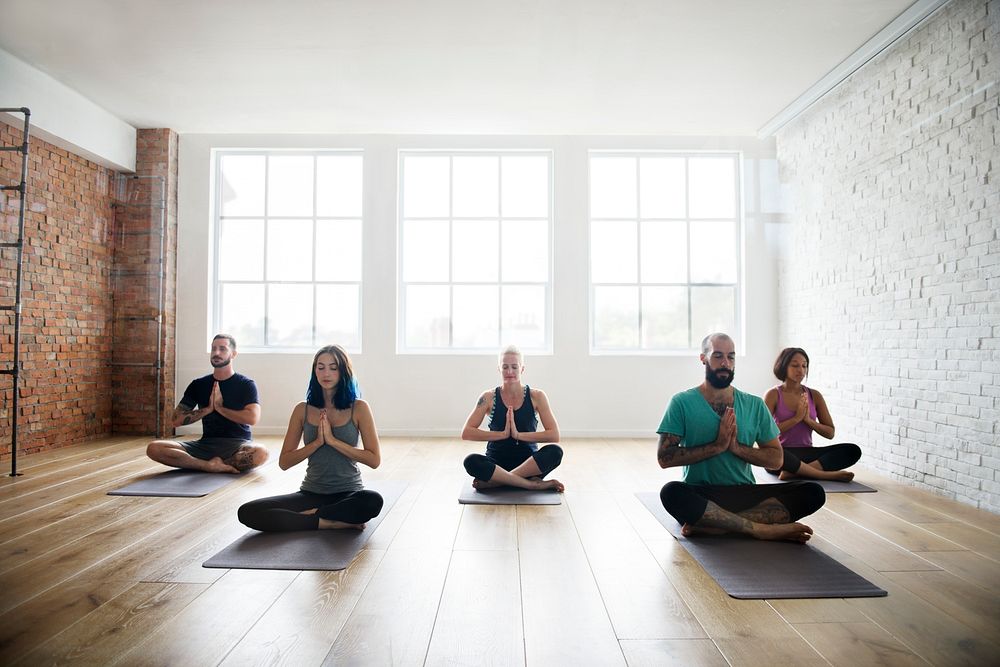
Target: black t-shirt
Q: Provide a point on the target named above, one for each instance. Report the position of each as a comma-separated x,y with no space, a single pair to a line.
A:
238,392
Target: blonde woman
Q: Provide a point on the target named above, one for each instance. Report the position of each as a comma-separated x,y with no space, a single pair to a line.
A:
512,412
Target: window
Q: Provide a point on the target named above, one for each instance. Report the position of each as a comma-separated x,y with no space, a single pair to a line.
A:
474,239
664,249
288,248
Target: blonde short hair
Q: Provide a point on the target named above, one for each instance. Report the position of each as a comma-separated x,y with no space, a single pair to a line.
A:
511,349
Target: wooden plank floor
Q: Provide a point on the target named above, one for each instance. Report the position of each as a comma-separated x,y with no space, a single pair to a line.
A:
92,579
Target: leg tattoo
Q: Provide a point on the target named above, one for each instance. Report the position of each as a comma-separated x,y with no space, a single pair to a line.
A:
769,511
242,460
717,518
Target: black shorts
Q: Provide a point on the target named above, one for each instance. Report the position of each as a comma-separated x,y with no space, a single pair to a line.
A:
209,448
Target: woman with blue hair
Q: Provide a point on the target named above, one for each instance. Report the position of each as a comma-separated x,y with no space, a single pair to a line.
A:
325,429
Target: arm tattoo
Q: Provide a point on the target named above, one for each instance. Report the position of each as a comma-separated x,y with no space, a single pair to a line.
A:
480,401
668,448
187,419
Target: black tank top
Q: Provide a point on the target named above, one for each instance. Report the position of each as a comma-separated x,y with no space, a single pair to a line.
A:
524,418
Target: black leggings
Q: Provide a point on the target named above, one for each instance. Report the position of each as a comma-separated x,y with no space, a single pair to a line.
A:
687,502
833,457
282,513
482,467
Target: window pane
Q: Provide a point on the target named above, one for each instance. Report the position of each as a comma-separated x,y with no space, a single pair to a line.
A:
525,251
661,187
475,316
713,252
242,313
474,251
425,187
665,318
290,315
613,251
523,316
241,250
338,186
712,309
682,223
525,188
613,187
426,317
663,248
338,315
475,187
290,185
289,250
425,250
338,250
713,183
616,317
242,187
473,224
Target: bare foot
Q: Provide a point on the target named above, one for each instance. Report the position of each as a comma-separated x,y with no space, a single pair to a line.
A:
481,484
842,475
792,532
687,530
326,524
548,484
308,512
218,465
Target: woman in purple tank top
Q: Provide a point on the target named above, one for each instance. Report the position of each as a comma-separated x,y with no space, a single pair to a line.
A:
798,411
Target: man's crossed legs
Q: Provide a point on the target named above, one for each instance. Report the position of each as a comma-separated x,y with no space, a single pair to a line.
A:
208,454
763,511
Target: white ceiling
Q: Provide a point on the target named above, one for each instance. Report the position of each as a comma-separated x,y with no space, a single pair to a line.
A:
709,67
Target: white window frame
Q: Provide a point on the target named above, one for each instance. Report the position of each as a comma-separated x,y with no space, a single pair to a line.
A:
217,218
694,338
401,347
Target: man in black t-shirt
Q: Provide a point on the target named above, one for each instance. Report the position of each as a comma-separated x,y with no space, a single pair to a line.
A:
227,405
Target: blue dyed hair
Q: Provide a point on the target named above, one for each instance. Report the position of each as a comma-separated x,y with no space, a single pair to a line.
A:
346,391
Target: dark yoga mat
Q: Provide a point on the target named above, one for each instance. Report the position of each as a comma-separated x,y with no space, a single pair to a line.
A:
305,549
178,484
508,495
751,569
764,477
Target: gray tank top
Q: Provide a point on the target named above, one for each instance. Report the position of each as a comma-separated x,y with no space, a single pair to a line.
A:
329,471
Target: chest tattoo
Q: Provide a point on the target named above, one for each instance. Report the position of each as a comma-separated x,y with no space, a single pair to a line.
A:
720,407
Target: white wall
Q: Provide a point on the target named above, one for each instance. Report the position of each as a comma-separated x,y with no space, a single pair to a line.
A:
892,271
432,395
63,117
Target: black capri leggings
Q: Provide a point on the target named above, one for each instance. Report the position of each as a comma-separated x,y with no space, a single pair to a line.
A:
481,467
283,513
687,502
832,457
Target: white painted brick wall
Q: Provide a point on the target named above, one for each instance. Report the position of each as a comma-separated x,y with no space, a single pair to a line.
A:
890,269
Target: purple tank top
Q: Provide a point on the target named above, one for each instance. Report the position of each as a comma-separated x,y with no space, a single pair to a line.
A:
799,435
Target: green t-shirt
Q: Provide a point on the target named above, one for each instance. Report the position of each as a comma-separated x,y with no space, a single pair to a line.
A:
691,417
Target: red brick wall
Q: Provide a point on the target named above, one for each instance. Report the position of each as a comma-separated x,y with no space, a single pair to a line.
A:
65,387
148,202
89,262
